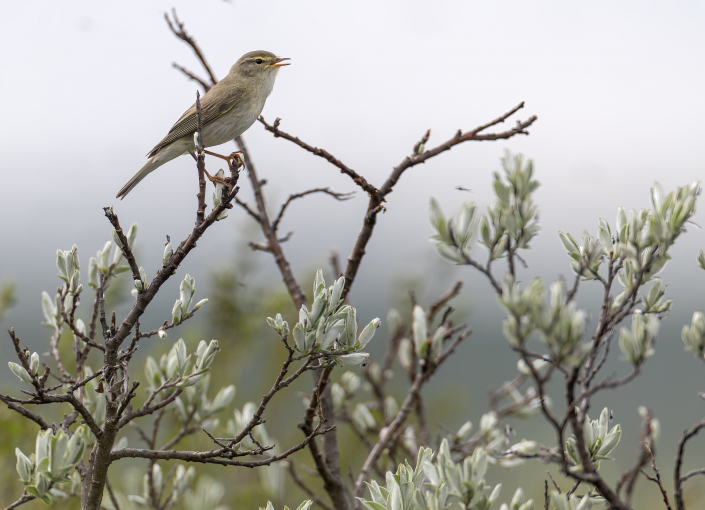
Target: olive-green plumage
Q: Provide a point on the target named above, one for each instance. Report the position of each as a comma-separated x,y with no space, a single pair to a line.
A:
227,110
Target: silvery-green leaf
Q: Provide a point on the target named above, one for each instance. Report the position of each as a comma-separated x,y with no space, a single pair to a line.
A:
185,292
76,446
394,321
304,319
419,328
337,291
310,341
102,258
503,192
466,220
92,273
319,305
368,332
132,235
450,253
349,337
319,282
611,440
464,432
177,311
485,232
391,407
199,304
569,244
223,398
404,353
172,363
517,499
350,383
494,495
371,505
321,333
435,215
355,358
41,449
24,466
332,334
61,265
49,310
437,342
488,422
180,410
479,465
20,372
151,370
298,333
209,354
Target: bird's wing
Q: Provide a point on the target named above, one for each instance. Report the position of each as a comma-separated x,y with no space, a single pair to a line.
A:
212,107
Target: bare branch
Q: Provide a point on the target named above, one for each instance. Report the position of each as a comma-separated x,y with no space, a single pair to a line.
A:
26,497
373,207
692,473
677,478
298,481
657,480
206,86
411,397
24,412
209,457
124,245
438,304
338,196
179,31
344,169
247,208
292,286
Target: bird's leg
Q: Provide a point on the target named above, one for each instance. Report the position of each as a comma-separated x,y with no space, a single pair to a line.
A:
226,158
216,155
235,160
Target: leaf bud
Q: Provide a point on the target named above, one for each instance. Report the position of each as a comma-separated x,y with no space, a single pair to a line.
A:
34,363
168,252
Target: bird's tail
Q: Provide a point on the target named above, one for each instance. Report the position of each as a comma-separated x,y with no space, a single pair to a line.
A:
150,166
166,154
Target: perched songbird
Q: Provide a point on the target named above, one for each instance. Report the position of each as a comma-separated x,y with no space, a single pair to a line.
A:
227,111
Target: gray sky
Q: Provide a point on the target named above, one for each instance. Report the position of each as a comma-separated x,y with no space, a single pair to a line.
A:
88,89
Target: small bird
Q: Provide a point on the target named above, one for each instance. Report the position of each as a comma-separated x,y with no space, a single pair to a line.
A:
227,110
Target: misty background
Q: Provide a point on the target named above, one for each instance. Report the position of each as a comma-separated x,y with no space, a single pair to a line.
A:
89,88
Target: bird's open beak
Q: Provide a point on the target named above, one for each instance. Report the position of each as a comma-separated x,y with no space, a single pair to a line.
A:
278,62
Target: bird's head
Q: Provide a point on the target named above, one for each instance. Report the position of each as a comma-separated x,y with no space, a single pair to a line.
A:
260,64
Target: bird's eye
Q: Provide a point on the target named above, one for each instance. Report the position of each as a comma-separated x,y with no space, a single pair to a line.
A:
258,60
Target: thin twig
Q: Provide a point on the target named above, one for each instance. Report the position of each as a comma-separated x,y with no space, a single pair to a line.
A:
677,479
657,480
180,32
338,196
200,163
375,202
284,268
206,86
298,481
356,177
